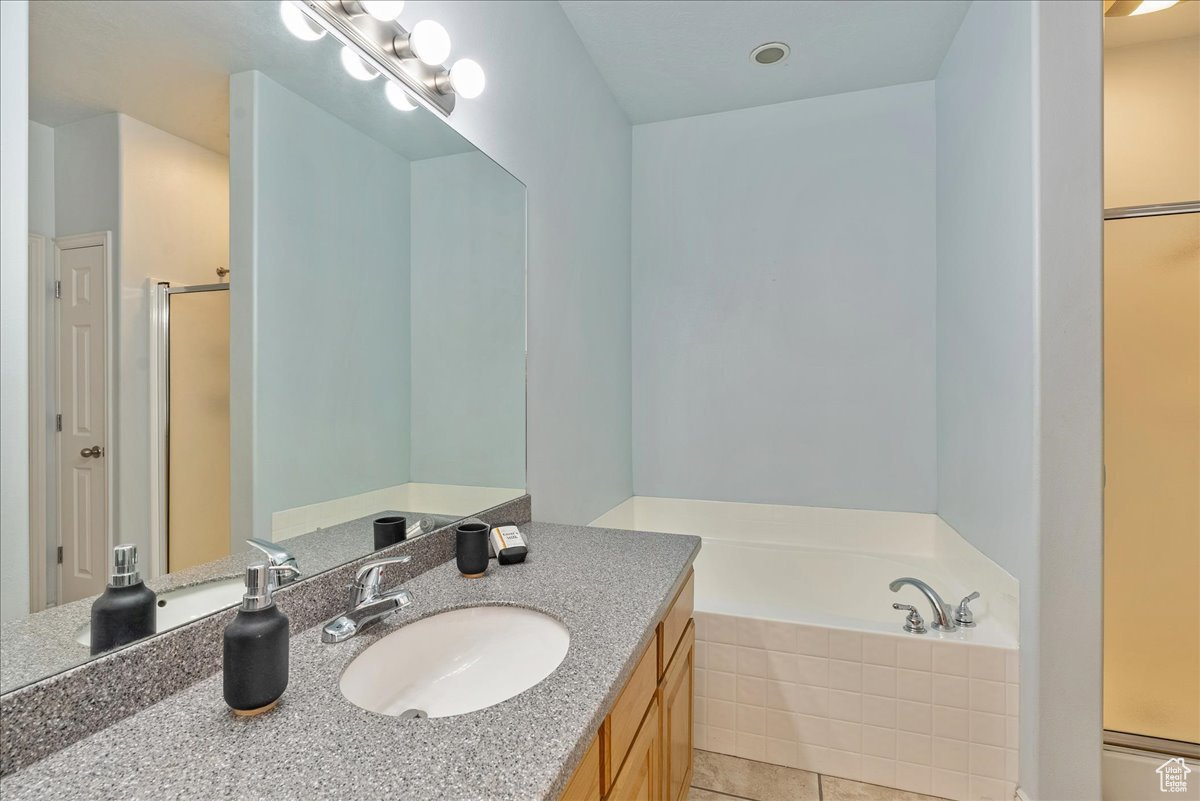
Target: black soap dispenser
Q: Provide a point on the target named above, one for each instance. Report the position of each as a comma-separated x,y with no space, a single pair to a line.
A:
256,645
125,611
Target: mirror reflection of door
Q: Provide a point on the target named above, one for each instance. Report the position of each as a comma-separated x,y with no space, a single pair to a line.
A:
82,443
197,448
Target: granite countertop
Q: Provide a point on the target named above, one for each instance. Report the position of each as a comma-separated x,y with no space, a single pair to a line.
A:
44,643
607,586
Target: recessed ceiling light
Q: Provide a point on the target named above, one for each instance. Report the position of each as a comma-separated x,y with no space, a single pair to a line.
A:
770,53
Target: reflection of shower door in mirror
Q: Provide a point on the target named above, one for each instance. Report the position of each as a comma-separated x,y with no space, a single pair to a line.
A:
1152,487
196,329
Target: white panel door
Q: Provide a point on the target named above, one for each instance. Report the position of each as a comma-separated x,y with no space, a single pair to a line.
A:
82,444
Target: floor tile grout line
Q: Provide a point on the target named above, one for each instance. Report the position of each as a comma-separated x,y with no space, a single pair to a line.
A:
723,794
820,787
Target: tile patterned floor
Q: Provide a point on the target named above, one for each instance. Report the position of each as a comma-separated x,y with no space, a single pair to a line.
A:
717,777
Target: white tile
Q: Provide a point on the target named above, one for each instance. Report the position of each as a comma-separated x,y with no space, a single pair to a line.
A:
1011,731
879,742
987,729
951,691
951,723
987,761
751,662
721,686
845,645
702,626
751,746
879,680
723,629
987,789
812,640
781,752
701,654
722,714
987,696
879,649
876,770
752,632
811,700
914,654
1011,764
914,778
1012,699
811,758
879,711
751,690
916,749
950,658
751,720
843,764
1012,666
722,657
812,730
845,706
723,741
949,784
700,736
700,711
914,685
781,666
782,725
781,636
812,670
986,663
700,682
845,736
780,695
911,716
951,754
845,675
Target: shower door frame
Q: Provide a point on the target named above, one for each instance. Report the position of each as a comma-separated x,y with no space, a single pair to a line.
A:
161,406
1128,741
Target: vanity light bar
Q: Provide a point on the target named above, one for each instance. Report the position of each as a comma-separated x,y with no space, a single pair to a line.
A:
401,56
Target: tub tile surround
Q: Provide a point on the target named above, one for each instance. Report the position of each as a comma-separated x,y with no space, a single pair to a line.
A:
912,712
41,718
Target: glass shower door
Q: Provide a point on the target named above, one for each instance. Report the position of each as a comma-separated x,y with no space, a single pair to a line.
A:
1152,466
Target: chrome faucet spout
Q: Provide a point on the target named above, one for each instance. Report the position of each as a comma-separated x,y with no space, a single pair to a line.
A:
368,602
943,619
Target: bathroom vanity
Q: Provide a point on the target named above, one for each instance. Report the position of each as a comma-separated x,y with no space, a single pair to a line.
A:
612,721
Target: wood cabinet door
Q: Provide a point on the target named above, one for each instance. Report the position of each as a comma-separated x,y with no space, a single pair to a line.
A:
639,778
675,700
585,784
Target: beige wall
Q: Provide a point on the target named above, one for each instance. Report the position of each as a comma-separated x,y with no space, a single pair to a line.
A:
1152,393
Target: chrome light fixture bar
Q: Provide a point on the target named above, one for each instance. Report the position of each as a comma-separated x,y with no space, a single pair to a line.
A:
374,40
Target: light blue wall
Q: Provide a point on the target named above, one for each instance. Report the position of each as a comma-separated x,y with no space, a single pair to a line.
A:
321,228
783,303
468,323
987,485
548,118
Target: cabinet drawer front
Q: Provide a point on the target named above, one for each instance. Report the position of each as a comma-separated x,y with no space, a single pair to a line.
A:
585,784
629,710
672,626
639,779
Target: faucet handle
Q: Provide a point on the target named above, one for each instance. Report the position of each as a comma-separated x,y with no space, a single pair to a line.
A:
963,615
914,623
366,580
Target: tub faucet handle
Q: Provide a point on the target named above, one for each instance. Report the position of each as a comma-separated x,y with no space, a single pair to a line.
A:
963,615
914,623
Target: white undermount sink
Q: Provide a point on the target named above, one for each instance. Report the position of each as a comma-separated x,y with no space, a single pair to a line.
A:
186,604
456,662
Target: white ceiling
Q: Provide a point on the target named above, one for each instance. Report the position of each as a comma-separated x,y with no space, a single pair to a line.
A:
665,59
1177,22
168,62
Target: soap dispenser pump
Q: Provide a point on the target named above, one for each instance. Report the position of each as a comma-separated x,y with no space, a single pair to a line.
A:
256,645
126,610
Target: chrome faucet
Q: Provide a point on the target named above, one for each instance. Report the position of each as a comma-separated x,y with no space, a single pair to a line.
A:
277,556
368,603
943,619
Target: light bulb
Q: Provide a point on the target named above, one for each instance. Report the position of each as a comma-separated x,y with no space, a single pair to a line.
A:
398,97
1150,6
466,76
382,10
429,42
298,23
357,68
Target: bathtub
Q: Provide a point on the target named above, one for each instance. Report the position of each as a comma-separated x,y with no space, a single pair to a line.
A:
801,660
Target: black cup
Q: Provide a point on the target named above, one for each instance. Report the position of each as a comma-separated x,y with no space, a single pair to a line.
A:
389,531
471,549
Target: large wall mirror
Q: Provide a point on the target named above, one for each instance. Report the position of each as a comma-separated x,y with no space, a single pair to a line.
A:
286,305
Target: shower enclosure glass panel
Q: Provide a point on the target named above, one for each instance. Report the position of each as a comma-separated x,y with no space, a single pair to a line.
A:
1152,489
197,452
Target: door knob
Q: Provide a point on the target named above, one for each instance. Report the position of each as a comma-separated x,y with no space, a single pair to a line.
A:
94,452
